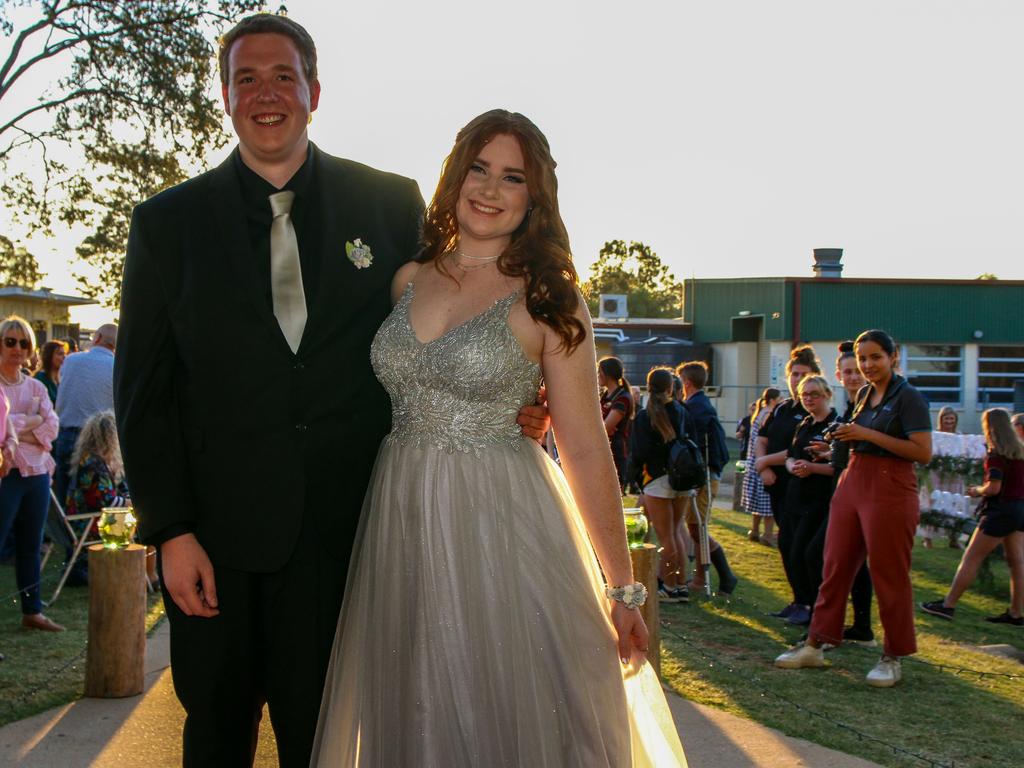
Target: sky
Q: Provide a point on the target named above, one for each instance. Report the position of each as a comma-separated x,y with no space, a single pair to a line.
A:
733,137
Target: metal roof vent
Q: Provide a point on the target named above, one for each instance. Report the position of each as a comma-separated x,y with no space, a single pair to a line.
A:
612,306
828,262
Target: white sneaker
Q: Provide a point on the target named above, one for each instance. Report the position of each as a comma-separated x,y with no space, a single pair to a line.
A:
886,673
800,657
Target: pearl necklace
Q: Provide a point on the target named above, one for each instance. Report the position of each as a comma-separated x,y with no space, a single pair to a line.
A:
8,382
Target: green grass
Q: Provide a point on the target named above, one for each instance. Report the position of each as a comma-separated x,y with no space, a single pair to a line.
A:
950,717
46,669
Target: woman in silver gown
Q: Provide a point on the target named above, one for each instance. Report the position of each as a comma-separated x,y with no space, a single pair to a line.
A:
476,630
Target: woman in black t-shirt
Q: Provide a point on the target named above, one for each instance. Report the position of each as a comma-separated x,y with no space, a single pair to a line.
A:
773,441
874,512
807,495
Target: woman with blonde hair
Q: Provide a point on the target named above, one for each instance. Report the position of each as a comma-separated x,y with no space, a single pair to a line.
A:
27,466
97,474
1002,520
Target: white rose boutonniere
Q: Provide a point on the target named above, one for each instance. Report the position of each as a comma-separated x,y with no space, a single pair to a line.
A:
359,253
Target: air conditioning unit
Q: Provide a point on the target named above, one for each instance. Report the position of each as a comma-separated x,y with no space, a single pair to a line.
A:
612,306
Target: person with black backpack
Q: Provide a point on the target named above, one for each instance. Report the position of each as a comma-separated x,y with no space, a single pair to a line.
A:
656,430
710,439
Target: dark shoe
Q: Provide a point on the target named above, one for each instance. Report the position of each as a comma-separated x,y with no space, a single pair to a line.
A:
666,595
859,636
681,594
801,617
38,621
786,612
726,578
1006,618
936,608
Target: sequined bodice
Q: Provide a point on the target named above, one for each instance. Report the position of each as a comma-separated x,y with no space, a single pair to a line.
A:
461,391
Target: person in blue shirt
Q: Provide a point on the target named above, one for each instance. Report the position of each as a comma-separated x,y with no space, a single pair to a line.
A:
710,438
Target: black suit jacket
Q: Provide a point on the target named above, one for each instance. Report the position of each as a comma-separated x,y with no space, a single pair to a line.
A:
223,429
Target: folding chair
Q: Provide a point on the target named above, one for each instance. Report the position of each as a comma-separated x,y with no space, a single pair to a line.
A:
64,536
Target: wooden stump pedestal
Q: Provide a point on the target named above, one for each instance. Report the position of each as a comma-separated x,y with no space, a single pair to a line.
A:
115,661
645,570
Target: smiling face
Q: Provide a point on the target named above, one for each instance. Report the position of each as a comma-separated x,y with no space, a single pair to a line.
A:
269,100
948,422
494,198
15,349
874,362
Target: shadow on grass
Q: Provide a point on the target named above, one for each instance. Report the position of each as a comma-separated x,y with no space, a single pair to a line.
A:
726,659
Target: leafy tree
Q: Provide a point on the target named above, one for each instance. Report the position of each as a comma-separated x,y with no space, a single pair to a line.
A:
637,271
986,276
18,266
136,84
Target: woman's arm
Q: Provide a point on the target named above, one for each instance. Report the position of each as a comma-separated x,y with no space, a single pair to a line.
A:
583,447
46,431
917,448
586,459
611,421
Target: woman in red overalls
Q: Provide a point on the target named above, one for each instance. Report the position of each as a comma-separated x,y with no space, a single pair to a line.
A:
874,512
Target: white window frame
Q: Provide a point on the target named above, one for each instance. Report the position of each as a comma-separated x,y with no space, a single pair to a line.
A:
908,371
983,402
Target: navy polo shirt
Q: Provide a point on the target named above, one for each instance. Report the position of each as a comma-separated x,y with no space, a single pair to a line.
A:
901,412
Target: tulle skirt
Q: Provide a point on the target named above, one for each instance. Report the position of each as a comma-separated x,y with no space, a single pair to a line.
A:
475,631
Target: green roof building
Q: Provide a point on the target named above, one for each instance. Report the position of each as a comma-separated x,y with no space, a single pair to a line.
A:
961,341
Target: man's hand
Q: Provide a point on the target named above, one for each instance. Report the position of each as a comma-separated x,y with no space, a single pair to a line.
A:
535,419
188,576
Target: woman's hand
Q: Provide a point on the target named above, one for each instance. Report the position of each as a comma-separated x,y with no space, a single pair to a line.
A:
767,477
851,432
799,468
630,628
820,450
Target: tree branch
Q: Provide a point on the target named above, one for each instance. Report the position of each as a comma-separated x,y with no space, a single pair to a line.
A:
47,105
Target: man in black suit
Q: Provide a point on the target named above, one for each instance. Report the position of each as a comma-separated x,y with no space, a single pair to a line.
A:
248,411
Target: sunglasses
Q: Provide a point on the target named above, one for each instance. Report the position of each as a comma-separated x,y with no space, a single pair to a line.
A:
11,343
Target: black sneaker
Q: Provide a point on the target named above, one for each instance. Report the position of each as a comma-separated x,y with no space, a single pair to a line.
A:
801,617
682,594
665,595
785,612
859,636
936,608
1006,618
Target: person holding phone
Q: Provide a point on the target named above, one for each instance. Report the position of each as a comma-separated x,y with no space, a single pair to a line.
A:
874,512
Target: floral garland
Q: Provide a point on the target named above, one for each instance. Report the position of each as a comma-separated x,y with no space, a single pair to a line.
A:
946,468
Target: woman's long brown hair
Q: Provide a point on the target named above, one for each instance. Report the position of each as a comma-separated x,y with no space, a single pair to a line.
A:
539,251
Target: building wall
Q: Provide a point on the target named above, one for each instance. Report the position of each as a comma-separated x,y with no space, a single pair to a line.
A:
712,304
921,312
41,315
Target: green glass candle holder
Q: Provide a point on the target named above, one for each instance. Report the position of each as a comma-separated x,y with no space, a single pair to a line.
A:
117,527
636,526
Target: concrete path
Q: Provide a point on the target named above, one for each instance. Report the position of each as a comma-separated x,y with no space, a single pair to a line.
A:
146,731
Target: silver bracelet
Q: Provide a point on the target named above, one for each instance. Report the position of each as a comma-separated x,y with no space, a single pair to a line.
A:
631,595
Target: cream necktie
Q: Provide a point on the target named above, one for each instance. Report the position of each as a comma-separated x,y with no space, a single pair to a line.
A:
285,271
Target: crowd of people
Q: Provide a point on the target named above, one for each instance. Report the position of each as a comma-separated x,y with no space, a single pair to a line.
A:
839,487
59,443
676,408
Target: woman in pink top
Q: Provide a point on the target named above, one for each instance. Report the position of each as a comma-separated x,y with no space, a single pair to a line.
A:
27,466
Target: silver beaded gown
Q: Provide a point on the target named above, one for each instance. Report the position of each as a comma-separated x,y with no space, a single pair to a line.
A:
473,631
